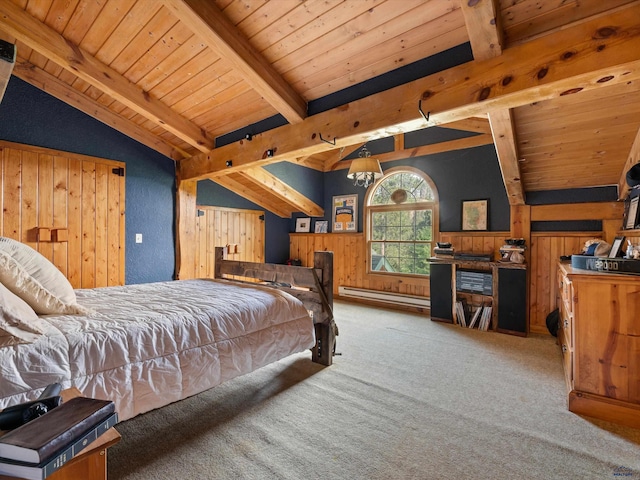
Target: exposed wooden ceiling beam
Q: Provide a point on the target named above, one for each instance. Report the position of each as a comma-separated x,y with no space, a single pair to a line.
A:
253,195
578,211
476,124
310,161
205,19
484,27
7,62
487,37
449,146
587,56
504,138
632,159
332,162
277,187
62,91
35,34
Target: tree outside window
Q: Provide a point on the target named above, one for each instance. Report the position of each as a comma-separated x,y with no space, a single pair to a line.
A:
402,221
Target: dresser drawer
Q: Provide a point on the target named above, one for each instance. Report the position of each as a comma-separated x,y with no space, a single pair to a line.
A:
566,324
566,294
567,358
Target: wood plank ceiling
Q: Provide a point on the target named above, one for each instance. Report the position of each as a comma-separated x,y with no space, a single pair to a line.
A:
177,74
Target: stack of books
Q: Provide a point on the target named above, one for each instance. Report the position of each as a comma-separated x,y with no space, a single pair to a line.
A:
42,446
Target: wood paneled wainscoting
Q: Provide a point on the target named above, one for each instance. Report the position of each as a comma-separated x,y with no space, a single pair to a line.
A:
476,242
350,258
546,249
350,263
69,207
239,229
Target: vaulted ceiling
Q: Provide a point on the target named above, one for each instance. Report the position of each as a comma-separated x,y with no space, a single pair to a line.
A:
553,83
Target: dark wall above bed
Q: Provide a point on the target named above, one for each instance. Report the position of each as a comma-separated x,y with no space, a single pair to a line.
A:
30,116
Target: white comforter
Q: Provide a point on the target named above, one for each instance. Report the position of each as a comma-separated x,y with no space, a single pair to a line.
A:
147,345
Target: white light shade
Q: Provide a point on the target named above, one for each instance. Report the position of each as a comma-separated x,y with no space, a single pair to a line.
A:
364,171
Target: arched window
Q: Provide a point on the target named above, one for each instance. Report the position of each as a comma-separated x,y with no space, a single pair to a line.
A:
401,212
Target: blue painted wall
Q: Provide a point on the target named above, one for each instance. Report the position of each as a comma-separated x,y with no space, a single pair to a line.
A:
30,116
469,174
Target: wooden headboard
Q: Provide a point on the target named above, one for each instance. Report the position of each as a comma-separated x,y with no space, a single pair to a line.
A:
311,285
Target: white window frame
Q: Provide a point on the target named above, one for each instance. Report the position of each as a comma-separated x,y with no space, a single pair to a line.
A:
370,209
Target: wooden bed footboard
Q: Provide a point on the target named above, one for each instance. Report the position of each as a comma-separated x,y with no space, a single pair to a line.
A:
311,285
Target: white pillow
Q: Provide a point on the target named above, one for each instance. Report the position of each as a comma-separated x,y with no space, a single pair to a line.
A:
17,318
35,279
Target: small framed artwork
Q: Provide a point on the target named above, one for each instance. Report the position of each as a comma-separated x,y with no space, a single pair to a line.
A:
303,225
616,246
632,214
345,213
322,226
474,214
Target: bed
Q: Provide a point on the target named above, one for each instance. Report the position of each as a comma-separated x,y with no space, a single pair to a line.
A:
147,345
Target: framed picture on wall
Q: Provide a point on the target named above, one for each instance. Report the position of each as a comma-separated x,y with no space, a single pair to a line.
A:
344,209
303,225
474,214
322,226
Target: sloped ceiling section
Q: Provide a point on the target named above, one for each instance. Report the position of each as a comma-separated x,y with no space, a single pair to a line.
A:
553,84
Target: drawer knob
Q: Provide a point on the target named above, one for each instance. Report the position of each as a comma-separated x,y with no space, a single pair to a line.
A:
564,348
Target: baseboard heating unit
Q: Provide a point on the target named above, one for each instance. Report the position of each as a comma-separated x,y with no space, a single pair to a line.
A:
386,297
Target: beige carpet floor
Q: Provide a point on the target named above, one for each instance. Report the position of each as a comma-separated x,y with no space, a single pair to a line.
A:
407,399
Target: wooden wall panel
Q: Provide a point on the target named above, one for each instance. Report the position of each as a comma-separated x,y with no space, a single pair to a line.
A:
476,242
74,223
12,180
28,197
242,230
60,209
88,267
546,249
42,204
48,189
102,203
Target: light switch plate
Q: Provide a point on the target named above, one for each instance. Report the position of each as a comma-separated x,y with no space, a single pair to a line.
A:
138,238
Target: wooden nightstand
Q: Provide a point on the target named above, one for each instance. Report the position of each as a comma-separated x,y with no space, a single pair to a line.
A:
90,463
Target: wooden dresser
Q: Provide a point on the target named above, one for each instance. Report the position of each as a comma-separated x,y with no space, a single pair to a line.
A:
600,339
